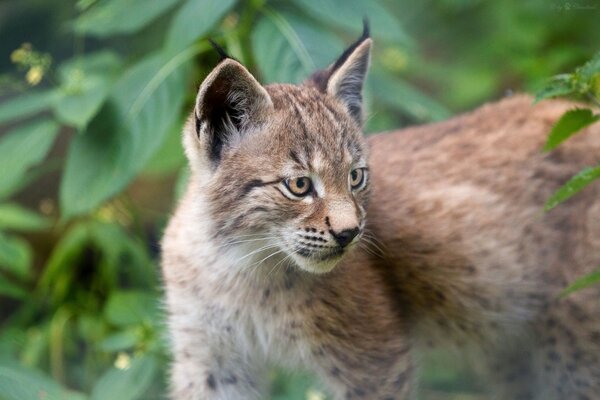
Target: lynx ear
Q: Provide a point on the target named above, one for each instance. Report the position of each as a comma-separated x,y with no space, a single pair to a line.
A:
344,79
230,101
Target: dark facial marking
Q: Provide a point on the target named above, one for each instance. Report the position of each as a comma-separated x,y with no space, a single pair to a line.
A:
211,382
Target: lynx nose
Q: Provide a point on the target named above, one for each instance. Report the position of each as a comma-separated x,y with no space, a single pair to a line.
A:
345,237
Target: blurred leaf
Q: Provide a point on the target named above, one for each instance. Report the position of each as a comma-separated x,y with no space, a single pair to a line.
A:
112,17
288,49
85,84
402,96
120,341
132,307
14,217
27,104
583,282
64,255
126,384
77,107
570,123
348,14
560,85
573,186
22,148
15,255
11,289
125,134
194,20
590,69
182,182
19,383
169,157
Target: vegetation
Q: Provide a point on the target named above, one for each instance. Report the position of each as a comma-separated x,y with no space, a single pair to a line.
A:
94,93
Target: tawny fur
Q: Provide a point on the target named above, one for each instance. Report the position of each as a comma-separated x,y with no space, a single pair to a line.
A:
456,252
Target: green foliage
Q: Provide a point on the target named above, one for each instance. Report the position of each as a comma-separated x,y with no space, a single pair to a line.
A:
583,83
80,276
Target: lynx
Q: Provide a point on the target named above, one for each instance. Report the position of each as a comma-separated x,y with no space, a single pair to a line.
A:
301,243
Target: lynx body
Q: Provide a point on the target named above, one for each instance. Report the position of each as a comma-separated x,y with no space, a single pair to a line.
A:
299,243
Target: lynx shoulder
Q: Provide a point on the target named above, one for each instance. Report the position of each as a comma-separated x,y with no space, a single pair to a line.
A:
300,243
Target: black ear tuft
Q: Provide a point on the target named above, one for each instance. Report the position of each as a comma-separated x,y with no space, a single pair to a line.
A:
220,51
344,57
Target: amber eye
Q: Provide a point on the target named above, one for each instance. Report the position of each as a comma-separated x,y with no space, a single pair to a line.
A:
357,178
299,186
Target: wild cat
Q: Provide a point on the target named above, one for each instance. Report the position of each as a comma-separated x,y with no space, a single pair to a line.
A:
301,243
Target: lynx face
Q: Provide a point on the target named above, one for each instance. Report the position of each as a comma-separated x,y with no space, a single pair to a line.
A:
284,166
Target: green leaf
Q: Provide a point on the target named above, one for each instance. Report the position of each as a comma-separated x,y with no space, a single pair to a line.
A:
121,341
56,277
11,289
170,157
85,84
20,383
145,104
560,85
125,308
195,19
126,384
15,256
590,69
111,17
288,49
14,217
404,97
573,186
27,104
348,15
583,282
22,148
570,123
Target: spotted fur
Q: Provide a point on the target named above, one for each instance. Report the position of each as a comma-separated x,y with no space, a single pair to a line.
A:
450,246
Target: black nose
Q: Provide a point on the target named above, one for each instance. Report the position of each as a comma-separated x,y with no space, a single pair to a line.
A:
345,237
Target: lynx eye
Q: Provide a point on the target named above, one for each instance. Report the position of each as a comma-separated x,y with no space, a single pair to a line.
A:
357,178
299,186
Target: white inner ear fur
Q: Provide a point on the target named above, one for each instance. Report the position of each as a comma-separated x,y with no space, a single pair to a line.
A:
347,81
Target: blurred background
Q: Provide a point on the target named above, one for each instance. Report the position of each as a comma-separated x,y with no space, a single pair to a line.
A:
93,94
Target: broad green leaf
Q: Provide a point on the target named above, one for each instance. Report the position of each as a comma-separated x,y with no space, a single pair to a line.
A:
146,102
20,383
583,282
11,289
169,157
120,341
349,14
76,107
569,124
126,384
560,85
27,104
573,186
132,307
22,148
195,19
288,49
405,98
17,218
15,256
85,84
112,17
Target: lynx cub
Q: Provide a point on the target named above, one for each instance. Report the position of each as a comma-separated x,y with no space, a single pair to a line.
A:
301,243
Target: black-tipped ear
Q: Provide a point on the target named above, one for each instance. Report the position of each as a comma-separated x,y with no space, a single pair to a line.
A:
345,78
229,102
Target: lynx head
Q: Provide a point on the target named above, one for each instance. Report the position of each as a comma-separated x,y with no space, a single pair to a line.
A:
284,167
